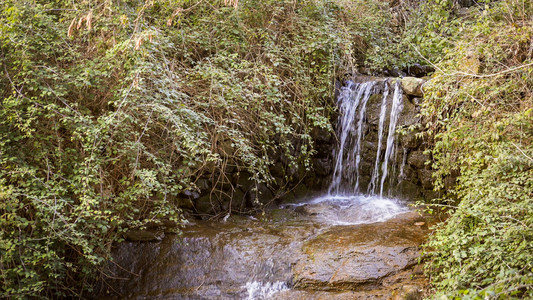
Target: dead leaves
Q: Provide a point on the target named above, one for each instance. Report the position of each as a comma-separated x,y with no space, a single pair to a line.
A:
234,3
77,24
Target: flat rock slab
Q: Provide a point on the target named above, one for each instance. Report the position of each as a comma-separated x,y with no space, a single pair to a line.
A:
359,257
247,259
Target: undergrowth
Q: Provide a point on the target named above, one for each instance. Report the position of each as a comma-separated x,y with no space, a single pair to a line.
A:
112,110
479,105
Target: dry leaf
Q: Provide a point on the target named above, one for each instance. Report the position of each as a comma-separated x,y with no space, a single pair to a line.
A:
71,27
138,43
234,3
419,223
90,21
80,22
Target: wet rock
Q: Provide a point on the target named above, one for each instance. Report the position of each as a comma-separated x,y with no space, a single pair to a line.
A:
418,70
409,190
430,194
408,292
408,116
348,258
412,86
323,166
373,108
143,236
426,178
243,256
410,140
281,215
418,159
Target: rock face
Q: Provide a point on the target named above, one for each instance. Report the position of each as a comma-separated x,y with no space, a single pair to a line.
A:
238,192
403,179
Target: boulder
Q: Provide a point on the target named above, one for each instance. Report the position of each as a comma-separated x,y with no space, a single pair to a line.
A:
412,86
426,178
418,159
410,140
373,108
357,258
409,292
408,190
418,70
409,113
394,72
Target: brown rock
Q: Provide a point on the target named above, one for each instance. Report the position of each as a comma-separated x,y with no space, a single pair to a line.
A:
426,178
418,159
345,258
412,86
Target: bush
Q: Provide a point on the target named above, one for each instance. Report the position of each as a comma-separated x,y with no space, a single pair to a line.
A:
112,109
480,107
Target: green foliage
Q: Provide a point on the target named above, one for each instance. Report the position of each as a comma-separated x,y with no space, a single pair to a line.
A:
480,111
110,110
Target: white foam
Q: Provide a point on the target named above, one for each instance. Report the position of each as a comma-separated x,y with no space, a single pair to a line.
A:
352,209
264,290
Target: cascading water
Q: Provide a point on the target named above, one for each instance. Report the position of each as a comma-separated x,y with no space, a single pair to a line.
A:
344,204
243,258
382,114
397,107
352,102
345,174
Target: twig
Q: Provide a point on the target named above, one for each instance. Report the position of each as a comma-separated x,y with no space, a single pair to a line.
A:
529,157
470,74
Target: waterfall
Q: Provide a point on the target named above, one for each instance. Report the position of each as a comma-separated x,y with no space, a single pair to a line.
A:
382,114
357,151
402,176
352,102
397,107
350,136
